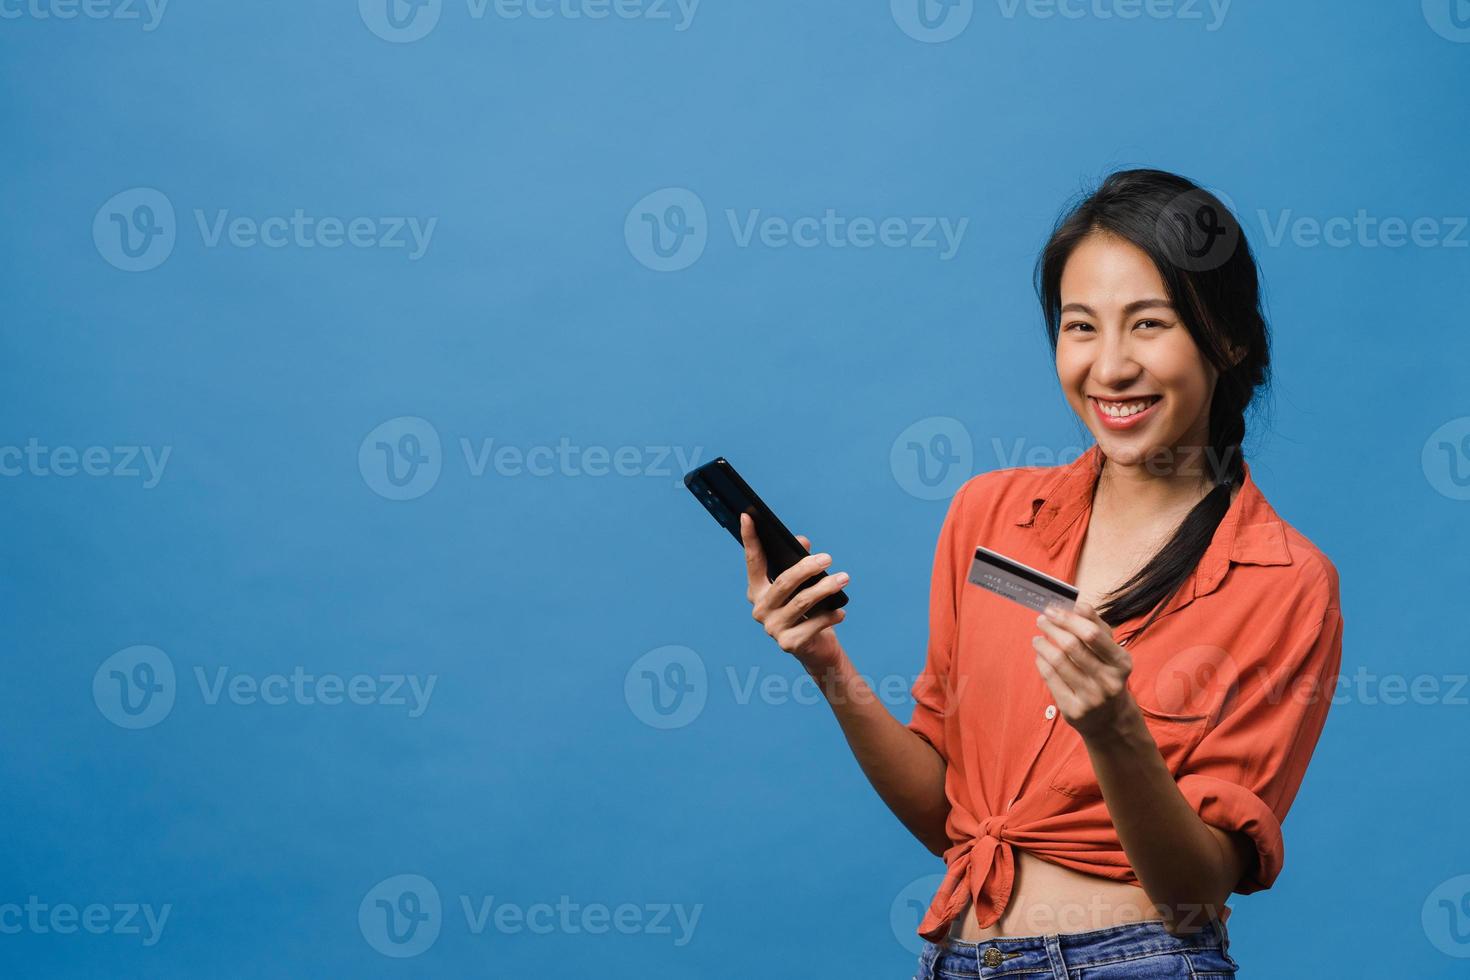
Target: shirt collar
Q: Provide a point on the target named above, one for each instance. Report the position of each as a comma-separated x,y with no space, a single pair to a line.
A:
1250,532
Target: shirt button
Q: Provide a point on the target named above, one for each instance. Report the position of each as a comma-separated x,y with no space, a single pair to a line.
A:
1051,712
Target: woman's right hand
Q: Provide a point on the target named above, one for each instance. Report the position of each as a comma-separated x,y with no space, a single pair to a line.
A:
779,607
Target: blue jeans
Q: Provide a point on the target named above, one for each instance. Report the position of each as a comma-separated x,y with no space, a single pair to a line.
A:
1137,951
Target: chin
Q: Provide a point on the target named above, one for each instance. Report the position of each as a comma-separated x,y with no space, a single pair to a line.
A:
1122,452
1128,450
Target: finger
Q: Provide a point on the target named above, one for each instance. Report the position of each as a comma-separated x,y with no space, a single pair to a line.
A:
1086,612
796,637
785,616
809,597
1063,695
1086,625
786,584
1071,645
755,555
806,542
1071,618
1079,683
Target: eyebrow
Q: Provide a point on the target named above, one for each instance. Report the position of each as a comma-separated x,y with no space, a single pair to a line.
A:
1129,310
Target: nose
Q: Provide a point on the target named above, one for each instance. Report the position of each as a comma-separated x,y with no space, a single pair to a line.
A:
1114,366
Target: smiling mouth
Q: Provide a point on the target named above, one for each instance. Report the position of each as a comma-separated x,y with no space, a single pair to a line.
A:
1124,414
1121,410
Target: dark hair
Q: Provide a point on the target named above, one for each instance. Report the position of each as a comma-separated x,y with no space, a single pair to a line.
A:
1206,264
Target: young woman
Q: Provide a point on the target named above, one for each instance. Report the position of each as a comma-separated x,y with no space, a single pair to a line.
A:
1100,779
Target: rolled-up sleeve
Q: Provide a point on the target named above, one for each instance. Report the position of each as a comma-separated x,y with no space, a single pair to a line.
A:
1245,772
930,688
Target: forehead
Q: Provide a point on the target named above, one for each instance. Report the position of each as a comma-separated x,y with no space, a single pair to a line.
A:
1104,267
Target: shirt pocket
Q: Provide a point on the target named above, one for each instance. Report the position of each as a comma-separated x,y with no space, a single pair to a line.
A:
1175,734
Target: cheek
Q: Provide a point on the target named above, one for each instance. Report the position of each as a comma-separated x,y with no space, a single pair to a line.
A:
1191,393
1181,370
1071,371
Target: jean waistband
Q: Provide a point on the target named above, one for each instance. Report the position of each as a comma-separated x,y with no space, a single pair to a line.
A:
1013,954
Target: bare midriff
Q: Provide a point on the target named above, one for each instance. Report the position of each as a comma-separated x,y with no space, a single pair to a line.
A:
1047,898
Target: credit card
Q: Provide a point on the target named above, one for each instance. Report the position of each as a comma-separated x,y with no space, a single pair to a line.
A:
1012,580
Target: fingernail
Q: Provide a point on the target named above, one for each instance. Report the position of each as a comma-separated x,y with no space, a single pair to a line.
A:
824,559
841,576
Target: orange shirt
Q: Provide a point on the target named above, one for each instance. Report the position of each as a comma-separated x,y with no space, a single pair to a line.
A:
1234,680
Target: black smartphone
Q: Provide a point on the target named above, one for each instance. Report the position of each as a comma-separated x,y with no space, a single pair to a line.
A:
726,496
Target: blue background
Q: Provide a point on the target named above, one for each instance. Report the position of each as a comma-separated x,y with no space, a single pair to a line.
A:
534,773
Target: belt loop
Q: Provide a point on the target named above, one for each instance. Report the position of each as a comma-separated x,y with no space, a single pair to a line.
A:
1054,954
927,960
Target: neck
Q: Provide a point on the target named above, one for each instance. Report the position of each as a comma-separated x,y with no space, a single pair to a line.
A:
1143,490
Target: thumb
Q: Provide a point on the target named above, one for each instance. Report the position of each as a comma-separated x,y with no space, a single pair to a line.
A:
755,556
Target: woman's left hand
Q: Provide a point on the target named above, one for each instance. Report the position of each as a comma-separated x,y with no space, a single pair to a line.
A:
1086,671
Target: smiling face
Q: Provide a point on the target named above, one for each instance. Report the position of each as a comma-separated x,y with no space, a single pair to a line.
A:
1125,359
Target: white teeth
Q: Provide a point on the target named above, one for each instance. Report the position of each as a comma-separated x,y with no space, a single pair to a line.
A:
1121,410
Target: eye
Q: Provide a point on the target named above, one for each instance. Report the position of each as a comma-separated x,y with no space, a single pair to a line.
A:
1077,325
1151,323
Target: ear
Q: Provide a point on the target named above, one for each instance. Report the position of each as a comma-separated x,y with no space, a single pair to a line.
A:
1235,355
